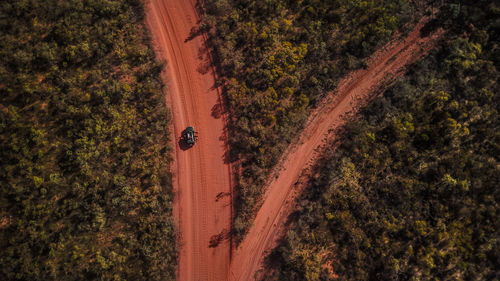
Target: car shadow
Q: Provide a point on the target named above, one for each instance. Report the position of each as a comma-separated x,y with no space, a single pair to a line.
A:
183,145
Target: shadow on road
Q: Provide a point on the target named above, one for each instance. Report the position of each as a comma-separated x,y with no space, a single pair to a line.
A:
183,145
217,238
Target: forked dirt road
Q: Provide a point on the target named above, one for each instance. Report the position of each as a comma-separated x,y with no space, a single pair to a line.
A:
202,180
353,92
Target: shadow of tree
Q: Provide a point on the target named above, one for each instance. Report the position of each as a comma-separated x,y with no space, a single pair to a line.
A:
217,238
217,111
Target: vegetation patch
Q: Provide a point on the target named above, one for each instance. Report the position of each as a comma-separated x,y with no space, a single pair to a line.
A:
411,193
276,60
85,188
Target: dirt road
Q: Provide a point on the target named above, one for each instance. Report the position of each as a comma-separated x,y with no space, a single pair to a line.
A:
353,91
202,179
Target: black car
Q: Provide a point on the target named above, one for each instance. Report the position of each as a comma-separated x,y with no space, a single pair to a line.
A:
189,136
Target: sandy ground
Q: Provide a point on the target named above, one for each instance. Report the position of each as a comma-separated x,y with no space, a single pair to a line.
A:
353,92
202,179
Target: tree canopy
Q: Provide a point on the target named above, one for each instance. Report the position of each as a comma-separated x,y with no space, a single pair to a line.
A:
276,60
411,192
85,187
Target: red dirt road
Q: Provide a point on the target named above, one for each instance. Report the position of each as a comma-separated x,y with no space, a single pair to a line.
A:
353,92
202,180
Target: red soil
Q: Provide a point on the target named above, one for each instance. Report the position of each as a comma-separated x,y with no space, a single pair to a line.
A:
353,92
202,179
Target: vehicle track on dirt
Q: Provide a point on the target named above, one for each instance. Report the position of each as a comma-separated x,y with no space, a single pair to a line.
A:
200,173
288,180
